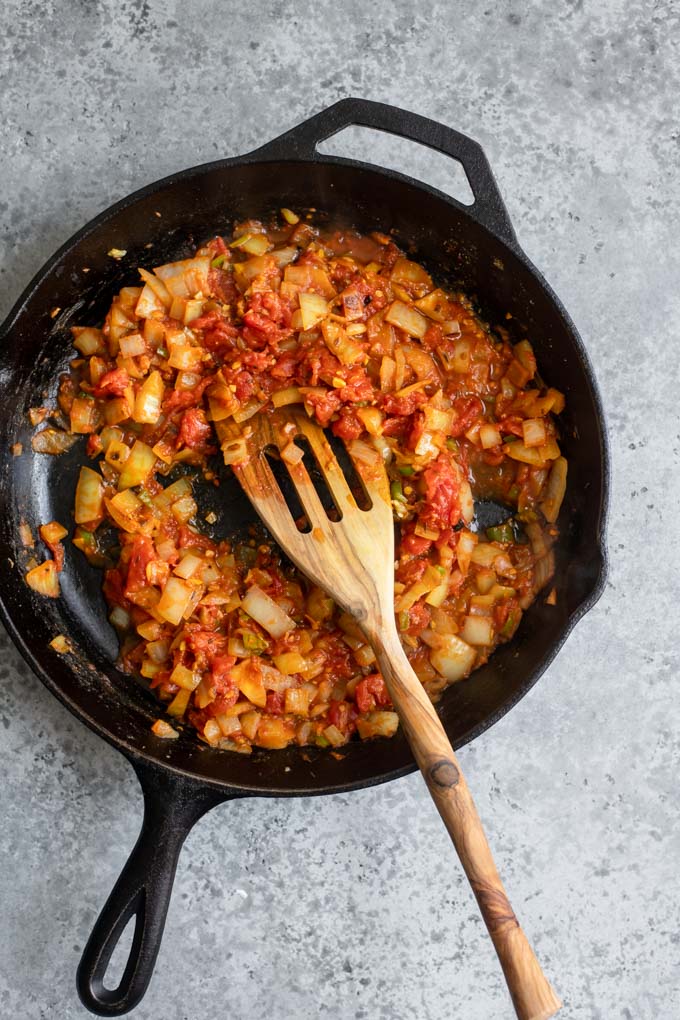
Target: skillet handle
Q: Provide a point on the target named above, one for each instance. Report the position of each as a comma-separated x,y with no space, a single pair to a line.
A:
172,805
301,143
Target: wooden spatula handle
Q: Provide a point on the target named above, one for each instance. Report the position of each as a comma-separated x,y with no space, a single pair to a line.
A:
532,994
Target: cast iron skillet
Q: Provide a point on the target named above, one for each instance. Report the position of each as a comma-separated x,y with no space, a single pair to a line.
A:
474,246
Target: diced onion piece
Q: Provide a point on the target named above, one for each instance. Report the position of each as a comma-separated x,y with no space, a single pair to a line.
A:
83,415
222,402
178,705
254,244
258,605
336,339
147,409
436,305
485,554
212,732
156,284
372,419
117,452
407,318
309,278
138,466
250,722
437,420
188,565
297,701
44,579
292,454
185,678
452,657
176,599
410,273
289,662
275,733
477,630
178,489
534,433
89,501
378,724
485,580
535,455
431,579
313,309
284,256
248,678
388,367
52,441
467,503
288,395
60,644
489,436
187,277
158,650
228,724
132,345
555,490
52,532
184,509
150,630
438,594
248,410
364,656
164,730
235,450
186,357
87,340
334,736
149,303
26,535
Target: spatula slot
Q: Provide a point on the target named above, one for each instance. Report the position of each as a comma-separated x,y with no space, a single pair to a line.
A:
288,490
352,476
314,469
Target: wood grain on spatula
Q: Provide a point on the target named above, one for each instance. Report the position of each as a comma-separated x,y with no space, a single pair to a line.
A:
353,560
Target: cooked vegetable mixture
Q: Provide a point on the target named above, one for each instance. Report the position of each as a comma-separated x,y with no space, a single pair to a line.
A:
231,637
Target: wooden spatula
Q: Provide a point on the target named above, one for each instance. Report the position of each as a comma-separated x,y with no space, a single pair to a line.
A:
353,560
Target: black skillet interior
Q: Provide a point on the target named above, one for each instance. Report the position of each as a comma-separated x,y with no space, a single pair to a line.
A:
165,222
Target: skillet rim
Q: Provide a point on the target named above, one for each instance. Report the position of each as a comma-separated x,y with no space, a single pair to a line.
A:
145,758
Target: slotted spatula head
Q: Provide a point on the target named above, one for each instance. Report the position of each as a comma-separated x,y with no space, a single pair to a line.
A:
351,557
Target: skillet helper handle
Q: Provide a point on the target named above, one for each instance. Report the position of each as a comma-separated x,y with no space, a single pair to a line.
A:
302,141
532,994
172,805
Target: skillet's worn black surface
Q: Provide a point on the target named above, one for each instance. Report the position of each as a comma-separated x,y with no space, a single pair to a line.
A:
474,246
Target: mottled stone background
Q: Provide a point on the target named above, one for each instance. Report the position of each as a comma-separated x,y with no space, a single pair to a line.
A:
354,907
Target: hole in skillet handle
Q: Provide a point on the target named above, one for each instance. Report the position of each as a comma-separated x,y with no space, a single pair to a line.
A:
172,805
303,141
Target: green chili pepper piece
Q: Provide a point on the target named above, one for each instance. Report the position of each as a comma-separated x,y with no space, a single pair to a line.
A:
406,469
510,624
396,492
403,620
501,533
219,261
322,741
253,642
452,444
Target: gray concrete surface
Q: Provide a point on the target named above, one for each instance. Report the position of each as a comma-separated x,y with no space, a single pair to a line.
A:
353,907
